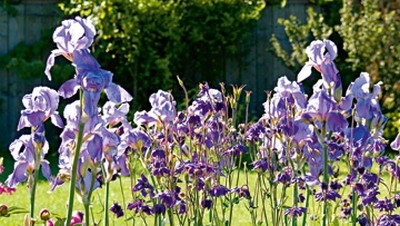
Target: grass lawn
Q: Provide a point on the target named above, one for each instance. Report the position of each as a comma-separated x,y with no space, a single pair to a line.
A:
56,203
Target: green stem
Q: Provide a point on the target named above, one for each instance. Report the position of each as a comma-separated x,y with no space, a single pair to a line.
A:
86,200
307,201
123,199
106,194
73,174
34,178
326,181
295,202
354,207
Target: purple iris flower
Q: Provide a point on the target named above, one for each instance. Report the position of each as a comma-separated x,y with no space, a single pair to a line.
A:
285,176
295,211
144,186
84,182
336,122
388,220
206,203
320,56
182,207
114,114
40,105
384,205
163,106
135,139
319,106
219,190
93,80
167,198
117,210
236,150
367,103
260,165
162,110
301,132
209,100
292,92
25,160
159,209
73,34
363,220
139,207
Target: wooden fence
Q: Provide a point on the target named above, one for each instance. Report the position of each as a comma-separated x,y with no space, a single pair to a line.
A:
258,70
31,18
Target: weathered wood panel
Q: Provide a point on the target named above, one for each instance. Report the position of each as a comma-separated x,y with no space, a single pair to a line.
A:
33,16
260,69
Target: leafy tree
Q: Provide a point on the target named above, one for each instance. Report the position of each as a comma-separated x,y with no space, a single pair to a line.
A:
148,42
366,31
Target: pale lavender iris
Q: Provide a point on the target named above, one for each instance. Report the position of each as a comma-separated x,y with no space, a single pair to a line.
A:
367,103
93,80
40,105
73,34
162,110
25,160
320,105
320,56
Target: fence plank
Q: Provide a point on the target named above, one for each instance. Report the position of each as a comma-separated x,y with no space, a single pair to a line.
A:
33,16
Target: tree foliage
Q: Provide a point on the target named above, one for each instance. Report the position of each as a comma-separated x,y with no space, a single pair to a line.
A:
366,30
146,43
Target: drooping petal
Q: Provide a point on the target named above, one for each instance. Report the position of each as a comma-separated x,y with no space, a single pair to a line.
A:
56,120
46,171
30,118
305,72
332,49
315,52
50,62
360,86
395,145
91,99
72,113
336,122
18,175
68,88
95,148
143,118
117,94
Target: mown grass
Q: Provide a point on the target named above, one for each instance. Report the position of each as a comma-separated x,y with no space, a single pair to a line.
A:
56,202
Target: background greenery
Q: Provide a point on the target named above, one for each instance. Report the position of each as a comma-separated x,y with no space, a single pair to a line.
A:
150,42
366,32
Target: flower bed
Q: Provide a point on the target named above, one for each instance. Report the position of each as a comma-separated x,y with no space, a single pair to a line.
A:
185,165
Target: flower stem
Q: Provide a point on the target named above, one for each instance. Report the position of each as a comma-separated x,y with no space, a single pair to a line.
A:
307,201
326,181
73,174
354,207
34,178
123,199
295,202
106,194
